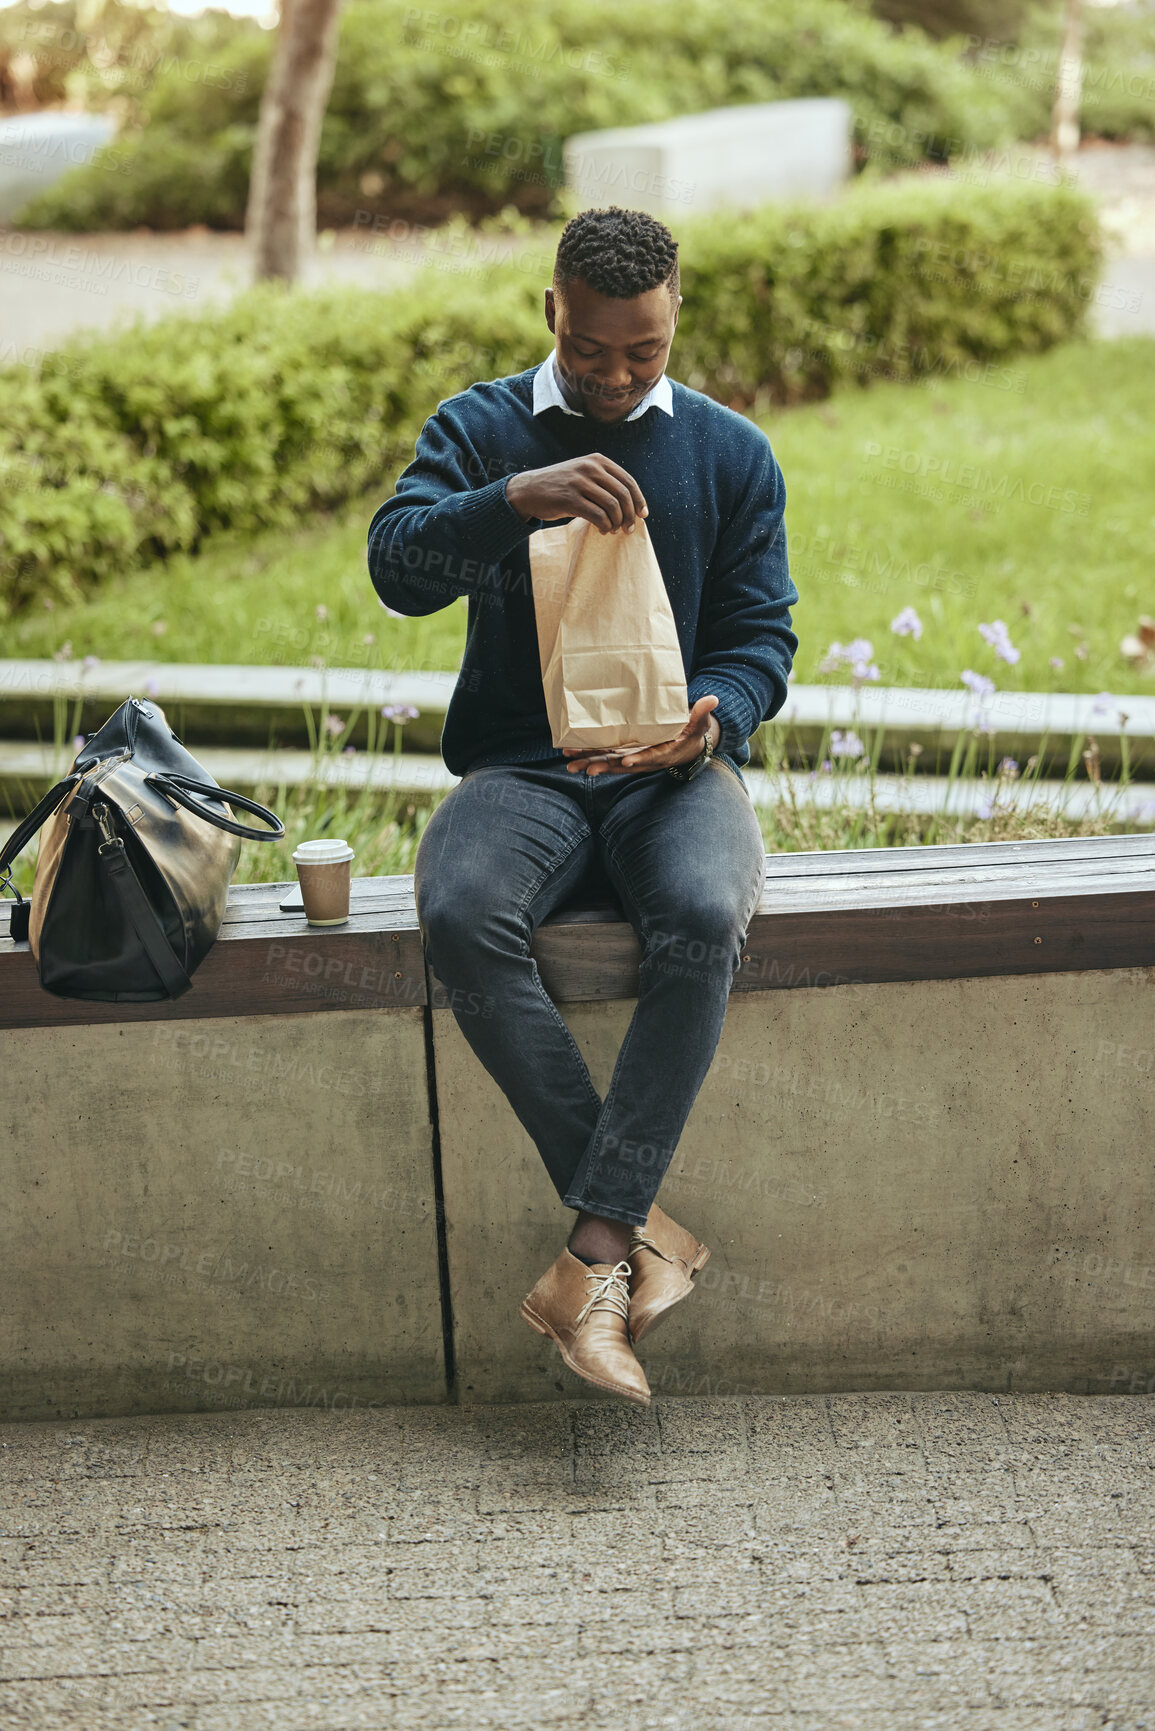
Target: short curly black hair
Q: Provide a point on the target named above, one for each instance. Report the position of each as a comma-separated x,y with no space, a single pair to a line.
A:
619,253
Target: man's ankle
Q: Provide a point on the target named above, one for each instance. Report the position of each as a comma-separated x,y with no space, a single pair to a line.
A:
597,1239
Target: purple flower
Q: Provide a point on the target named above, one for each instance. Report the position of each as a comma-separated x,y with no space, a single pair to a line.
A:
846,744
78,742
89,662
334,724
982,688
1009,768
399,712
1058,663
907,624
1103,704
349,751
858,656
998,637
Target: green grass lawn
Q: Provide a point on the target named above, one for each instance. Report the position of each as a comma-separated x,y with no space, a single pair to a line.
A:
967,501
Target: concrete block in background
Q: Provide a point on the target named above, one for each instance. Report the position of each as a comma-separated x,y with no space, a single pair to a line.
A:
943,1184
230,1212
743,156
36,150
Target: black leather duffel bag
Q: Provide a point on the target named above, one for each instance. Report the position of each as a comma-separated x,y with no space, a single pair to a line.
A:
133,874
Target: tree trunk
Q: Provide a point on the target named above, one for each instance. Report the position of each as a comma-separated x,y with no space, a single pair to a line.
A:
281,219
1069,90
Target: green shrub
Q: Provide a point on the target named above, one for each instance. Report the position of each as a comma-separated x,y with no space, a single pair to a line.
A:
125,447
893,282
434,111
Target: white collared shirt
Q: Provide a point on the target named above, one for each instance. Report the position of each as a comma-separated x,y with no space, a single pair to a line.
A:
548,394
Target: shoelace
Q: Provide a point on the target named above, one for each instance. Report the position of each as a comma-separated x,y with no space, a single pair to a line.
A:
610,1292
639,1241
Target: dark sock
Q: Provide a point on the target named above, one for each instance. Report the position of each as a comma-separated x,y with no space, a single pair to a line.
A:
590,1261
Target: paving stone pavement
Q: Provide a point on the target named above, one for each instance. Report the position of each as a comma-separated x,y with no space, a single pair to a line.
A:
945,1562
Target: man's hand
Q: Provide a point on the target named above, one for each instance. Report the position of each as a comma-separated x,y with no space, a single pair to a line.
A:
594,488
683,749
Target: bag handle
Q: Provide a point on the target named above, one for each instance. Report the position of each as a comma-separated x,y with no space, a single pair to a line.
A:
24,831
180,787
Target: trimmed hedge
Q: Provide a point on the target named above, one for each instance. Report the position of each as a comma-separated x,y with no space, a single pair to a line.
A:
432,110
127,447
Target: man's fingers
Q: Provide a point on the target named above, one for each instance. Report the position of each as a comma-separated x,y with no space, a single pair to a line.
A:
624,476
625,487
602,507
612,500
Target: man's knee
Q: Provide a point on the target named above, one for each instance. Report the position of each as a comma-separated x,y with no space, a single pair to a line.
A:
706,933
449,911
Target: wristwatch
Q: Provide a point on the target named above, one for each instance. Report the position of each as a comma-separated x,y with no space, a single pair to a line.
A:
687,771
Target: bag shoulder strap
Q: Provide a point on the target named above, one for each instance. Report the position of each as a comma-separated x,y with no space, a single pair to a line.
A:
126,887
24,831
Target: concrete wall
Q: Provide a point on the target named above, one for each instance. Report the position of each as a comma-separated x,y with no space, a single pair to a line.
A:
740,156
234,1211
938,1185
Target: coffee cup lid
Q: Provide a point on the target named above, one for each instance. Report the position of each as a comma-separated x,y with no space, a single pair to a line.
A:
322,852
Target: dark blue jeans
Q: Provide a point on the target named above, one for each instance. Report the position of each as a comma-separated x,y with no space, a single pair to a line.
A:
687,861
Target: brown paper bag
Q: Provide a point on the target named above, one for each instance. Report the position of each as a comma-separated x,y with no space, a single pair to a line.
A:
611,663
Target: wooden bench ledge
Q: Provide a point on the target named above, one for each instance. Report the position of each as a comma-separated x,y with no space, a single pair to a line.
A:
826,918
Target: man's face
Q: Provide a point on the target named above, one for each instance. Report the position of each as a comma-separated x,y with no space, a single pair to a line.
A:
610,352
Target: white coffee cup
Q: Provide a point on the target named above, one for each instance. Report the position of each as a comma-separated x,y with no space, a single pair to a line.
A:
323,868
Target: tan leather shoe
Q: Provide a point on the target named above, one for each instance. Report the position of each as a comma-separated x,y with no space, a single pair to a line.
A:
663,1257
585,1311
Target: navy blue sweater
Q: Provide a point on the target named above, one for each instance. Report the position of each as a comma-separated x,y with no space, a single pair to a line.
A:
716,499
